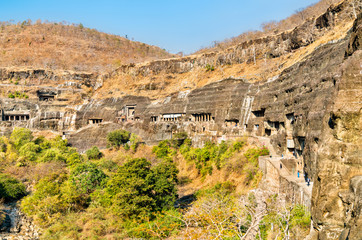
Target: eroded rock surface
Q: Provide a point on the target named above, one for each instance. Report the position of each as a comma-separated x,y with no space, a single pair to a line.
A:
311,110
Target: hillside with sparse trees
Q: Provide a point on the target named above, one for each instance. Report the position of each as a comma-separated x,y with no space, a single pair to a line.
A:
67,46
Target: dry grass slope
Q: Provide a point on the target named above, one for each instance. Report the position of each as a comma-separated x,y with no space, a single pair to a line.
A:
69,47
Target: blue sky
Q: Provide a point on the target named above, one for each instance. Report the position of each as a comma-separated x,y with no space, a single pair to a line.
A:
176,25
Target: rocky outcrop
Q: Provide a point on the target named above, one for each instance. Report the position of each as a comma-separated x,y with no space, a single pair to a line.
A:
15,225
266,47
39,76
337,192
311,110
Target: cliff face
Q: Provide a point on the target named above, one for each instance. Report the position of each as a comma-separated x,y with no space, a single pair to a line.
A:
310,109
337,194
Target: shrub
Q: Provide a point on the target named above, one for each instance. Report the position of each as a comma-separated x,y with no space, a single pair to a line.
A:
238,145
178,139
162,226
163,149
129,191
58,143
164,180
20,136
135,141
52,154
74,159
10,188
3,145
45,203
210,155
209,68
117,138
126,147
29,151
138,190
94,153
17,94
300,217
222,189
252,165
87,177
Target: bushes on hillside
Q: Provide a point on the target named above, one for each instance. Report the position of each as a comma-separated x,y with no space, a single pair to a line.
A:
86,177
117,138
17,94
29,151
94,153
10,188
210,155
138,190
252,165
20,136
163,150
21,148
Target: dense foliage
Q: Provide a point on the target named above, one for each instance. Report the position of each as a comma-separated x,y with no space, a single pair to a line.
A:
11,188
136,198
117,138
94,153
95,195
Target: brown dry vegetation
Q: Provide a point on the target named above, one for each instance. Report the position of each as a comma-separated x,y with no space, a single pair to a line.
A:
233,172
69,47
163,84
260,69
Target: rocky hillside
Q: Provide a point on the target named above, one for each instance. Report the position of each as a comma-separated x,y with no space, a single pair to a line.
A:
69,47
298,92
274,27
256,60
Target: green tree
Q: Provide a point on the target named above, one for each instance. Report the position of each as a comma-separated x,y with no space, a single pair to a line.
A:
94,153
20,136
117,138
87,177
29,151
164,180
130,192
138,190
3,145
163,149
10,188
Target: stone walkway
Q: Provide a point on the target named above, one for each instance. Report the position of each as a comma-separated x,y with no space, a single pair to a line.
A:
285,173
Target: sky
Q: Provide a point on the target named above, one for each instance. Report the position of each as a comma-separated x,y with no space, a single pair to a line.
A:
175,25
